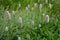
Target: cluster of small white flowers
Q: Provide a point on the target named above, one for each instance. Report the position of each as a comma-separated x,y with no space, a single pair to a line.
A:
8,15
47,18
6,28
20,20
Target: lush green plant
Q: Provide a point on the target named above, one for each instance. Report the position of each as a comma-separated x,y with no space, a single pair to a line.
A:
27,31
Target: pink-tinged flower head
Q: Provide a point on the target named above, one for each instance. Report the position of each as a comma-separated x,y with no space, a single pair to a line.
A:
47,18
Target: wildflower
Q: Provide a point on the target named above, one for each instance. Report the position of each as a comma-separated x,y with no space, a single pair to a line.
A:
27,8
47,18
35,4
40,6
8,15
19,5
19,38
13,12
46,1
20,20
50,5
6,28
33,23
43,14
39,25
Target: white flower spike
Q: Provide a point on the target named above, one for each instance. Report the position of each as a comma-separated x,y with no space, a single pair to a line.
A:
6,28
33,23
50,5
20,20
47,18
8,15
46,1
27,8
13,12
19,5
40,6
35,4
19,38
39,25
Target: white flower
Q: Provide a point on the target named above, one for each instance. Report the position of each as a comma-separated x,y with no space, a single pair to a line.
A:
50,5
43,14
20,20
6,28
47,18
8,15
33,23
19,38
40,6
13,12
19,5
27,8
39,25
46,1
35,4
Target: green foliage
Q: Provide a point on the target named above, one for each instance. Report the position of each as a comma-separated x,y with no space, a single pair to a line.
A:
47,31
